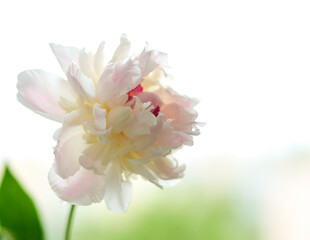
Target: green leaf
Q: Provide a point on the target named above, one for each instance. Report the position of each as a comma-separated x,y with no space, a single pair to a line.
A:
17,211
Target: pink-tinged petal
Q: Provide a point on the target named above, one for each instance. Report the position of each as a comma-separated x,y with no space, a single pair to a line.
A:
44,93
122,51
117,80
99,59
68,150
82,85
168,96
155,152
146,142
65,55
149,97
151,59
182,119
140,124
169,137
166,136
118,192
162,140
83,188
164,169
70,144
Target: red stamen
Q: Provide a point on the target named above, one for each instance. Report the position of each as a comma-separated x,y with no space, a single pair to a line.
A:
156,110
135,91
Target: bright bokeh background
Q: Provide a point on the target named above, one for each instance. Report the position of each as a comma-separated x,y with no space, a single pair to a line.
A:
248,62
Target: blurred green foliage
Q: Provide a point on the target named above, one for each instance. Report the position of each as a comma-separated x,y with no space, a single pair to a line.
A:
17,211
192,217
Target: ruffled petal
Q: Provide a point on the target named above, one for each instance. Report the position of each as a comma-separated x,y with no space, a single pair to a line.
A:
165,170
140,124
70,145
183,120
162,140
65,55
168,136
118,117
146,173
117,80
169,96
149,97
83,188
122,51
96,157
44,93
82,85
118,192
151,59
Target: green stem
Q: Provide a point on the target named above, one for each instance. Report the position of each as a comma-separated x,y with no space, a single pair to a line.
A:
67,237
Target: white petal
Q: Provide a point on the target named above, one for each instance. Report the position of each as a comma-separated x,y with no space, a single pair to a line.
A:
117,80
99,59
165,170
152,81
96,157
102,135
43,92
118,117
122,51
100,117
82,85
70,145
120,101
144,172
118,192
86,63
140,124
83,188
138,162
65,55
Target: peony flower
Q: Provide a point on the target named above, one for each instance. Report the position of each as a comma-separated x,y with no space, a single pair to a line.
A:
117,119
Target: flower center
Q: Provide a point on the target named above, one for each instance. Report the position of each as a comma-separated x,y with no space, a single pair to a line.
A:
136,91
